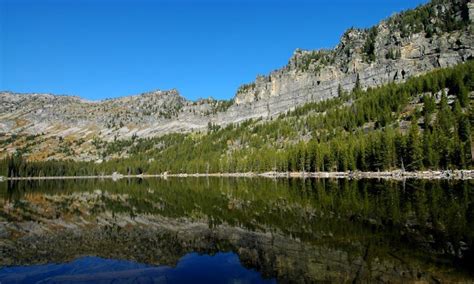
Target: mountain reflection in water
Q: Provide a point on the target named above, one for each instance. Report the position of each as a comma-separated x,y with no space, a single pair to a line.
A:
290,230
192,268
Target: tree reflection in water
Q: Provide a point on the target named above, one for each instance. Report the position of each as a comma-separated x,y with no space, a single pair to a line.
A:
291,229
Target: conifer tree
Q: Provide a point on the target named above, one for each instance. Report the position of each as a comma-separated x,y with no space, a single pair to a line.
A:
414,147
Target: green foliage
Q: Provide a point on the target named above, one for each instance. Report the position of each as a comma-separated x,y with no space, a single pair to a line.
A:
246,87
415,150
363,130
369,46
433,18
315,59
429,106
222,105
393,54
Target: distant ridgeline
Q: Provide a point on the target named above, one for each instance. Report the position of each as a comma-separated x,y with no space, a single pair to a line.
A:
408,44
424,123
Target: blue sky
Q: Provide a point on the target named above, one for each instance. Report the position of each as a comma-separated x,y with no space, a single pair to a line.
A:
102,49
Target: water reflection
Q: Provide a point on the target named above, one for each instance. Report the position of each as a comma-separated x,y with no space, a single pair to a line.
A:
192,268
292,229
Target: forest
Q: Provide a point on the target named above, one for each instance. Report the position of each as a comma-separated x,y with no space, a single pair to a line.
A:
421,124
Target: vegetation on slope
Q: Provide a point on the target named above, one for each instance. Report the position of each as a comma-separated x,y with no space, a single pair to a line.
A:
433,18
424,123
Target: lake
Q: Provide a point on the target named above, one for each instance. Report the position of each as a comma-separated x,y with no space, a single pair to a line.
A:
236,230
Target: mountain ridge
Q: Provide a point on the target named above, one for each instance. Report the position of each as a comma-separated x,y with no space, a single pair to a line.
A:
411,43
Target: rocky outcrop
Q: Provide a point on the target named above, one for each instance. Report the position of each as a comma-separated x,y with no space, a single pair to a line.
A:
317,75
63,115
436,35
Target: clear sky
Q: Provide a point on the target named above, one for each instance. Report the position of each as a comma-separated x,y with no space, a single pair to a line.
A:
102,49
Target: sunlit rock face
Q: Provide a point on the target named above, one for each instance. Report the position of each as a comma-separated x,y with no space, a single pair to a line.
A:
386,53
316,75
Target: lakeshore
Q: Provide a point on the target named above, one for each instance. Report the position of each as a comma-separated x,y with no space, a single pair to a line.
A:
396,175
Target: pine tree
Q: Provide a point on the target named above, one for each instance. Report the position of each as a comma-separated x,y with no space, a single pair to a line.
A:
444,118
430,158
401,149
357,86
429,106
457,88
464,128
415,150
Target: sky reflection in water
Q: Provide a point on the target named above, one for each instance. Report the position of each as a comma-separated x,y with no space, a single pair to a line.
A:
192,268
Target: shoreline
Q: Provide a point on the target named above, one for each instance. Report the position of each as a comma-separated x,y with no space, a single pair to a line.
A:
395,175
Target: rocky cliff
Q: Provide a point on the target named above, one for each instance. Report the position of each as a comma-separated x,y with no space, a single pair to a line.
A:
438,34
407,44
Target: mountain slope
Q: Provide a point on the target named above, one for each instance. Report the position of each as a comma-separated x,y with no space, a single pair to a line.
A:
424,123
435,35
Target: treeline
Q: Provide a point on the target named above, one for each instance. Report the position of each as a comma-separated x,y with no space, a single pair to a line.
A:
434,18
424,123
18,166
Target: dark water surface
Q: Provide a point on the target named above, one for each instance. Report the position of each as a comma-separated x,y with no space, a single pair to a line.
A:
236,230
191,268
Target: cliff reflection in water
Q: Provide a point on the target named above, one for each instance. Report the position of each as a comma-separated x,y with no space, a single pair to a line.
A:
292,229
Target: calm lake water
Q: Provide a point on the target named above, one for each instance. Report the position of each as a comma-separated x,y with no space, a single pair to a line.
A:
236,230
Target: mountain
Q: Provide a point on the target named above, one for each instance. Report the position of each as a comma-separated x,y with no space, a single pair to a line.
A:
421,124
414,42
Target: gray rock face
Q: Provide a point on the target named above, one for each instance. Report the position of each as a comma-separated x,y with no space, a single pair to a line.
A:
316,75
309,76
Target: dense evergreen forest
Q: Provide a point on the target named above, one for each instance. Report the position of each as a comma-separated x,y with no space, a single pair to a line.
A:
424,123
